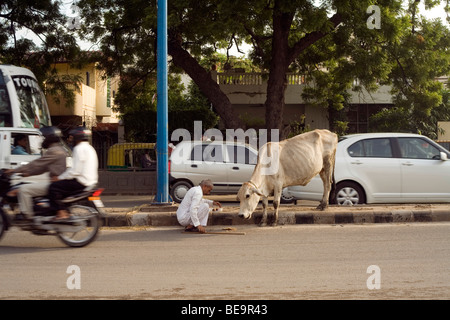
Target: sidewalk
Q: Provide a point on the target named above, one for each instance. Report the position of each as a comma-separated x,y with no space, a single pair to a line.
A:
303,213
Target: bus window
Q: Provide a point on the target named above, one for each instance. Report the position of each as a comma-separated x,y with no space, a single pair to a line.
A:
5,104
33,106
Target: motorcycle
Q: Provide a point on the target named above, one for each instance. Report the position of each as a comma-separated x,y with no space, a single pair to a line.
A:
78,231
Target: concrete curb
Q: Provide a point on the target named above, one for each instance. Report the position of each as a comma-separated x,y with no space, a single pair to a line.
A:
119,217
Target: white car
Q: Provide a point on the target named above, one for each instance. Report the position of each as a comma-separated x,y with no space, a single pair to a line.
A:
385,168
227,164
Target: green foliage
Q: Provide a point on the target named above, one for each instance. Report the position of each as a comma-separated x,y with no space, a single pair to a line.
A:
42,20
298,126
400,119
419,58
408,53
252,121
141,125
136,100
328,41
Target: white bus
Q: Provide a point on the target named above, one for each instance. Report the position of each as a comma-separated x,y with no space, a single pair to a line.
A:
23,110
22,102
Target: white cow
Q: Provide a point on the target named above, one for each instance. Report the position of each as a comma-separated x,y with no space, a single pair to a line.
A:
294,161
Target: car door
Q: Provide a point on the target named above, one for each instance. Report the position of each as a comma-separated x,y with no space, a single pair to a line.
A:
425,177
241,162
207,162
372,164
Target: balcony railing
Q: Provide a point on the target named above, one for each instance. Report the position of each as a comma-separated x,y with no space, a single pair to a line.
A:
255,78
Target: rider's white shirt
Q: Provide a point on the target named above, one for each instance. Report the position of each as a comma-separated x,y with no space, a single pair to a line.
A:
84,165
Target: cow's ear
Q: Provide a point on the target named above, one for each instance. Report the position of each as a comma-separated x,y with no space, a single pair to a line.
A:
254,190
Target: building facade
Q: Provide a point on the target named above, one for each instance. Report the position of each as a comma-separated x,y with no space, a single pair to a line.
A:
93,102
247,94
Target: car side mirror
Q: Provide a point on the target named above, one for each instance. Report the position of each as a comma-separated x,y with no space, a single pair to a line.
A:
443,156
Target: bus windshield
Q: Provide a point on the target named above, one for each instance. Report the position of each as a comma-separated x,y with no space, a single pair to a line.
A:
33,106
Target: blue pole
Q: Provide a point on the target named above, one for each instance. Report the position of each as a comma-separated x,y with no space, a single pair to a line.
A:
162,191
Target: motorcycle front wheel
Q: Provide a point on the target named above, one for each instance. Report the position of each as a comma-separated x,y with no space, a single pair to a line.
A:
86,223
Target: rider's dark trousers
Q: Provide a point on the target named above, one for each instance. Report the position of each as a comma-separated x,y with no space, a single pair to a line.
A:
62,189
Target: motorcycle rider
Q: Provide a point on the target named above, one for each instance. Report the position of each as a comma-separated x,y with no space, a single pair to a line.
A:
52,161
83,175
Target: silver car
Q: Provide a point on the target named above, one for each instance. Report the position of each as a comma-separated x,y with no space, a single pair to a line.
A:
227,164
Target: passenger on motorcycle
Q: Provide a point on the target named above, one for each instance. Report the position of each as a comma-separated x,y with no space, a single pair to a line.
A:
82,176
52,161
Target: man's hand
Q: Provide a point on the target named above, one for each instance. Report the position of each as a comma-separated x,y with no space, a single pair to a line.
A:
201,229
217,203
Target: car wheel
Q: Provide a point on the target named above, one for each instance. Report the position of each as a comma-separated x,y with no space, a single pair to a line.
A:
286,197
349,193
179,190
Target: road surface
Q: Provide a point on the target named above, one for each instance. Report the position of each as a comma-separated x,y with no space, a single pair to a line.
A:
373,261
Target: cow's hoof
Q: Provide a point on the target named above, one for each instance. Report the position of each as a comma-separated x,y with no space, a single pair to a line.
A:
263,224
321,207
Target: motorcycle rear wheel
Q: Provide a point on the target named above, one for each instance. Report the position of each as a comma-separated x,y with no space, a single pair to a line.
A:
90,224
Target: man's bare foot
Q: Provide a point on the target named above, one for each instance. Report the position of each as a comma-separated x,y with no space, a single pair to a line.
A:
62,215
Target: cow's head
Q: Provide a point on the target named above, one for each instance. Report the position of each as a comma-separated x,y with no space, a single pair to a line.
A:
249,197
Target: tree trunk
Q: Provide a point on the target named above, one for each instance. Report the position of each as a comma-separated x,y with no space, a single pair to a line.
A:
208,86
276,84
282,56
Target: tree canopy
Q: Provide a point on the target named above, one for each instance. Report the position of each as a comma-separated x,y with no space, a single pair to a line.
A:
35,34
333,42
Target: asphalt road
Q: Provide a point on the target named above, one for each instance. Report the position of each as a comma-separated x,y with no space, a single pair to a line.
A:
408,261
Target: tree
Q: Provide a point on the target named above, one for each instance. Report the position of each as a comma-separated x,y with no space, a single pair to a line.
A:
136,101
285,35
48,41
420,55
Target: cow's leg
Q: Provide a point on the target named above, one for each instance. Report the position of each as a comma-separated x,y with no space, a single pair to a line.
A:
276,204
265,204
327,177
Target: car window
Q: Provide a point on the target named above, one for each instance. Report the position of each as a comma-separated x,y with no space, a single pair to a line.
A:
242,155
25,144
207,152
417,148
373,148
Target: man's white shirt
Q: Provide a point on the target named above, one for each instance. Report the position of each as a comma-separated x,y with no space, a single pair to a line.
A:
188,209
